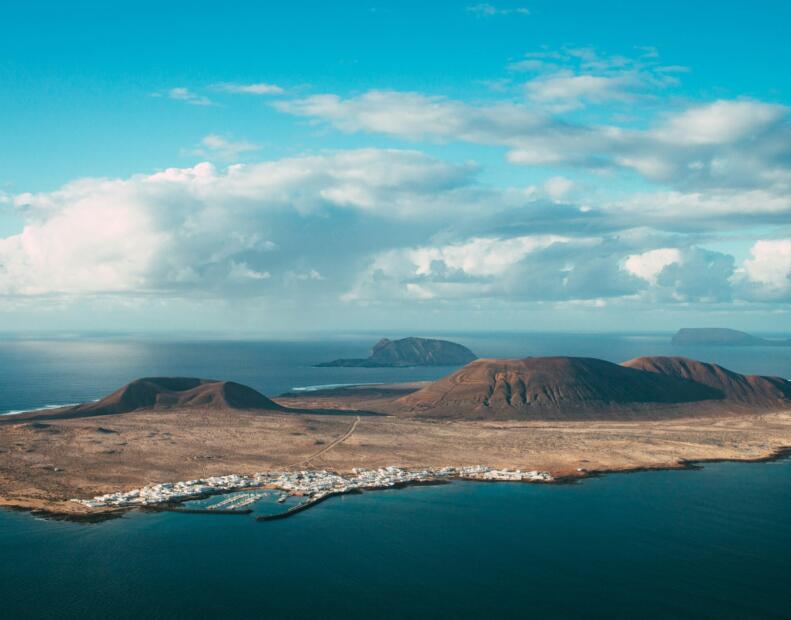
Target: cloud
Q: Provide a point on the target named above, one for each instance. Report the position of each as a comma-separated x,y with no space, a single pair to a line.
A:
702,210
721,123
527,267
649,265
488,10
723,144
569,90
181,93
241,271
359,227
216,146
689,274
767,274
199,229
574,77
558,187
260,88
425,117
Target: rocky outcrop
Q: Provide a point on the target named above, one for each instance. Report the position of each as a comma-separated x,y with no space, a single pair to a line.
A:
410,352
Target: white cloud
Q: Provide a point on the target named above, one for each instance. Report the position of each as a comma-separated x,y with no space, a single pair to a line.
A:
768,272
181,93
416,116
475,267
720,122
573,77
185,229
558,187
241,271
649,265
485,9
686,275
216,146
569,90
260,88
720,145
720,208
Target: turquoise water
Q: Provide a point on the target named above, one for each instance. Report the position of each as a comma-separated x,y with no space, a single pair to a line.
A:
714,543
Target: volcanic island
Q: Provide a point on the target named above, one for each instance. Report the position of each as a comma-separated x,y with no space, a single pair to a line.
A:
160,441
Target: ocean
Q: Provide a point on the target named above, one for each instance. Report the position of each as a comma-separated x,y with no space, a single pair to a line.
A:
712,543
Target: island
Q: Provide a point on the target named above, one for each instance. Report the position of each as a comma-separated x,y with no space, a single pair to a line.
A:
721,336
409,352
159,442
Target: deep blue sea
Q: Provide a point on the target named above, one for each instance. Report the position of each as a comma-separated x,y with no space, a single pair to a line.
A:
713,543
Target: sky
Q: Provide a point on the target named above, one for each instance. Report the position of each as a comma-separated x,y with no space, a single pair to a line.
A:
309,166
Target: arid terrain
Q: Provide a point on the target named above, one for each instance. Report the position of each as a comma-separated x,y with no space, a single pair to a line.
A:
48,458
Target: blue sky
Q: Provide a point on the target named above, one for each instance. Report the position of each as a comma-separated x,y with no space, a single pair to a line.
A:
563,164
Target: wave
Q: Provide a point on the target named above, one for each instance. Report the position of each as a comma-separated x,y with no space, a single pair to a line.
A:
328,386
18,411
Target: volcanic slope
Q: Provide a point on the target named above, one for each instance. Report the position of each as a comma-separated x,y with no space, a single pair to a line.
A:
160,393
752,390
576,388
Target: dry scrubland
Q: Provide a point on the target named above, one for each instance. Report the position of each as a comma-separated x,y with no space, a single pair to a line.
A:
45,463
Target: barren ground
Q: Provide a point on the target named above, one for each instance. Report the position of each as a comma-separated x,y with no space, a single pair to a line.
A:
44,464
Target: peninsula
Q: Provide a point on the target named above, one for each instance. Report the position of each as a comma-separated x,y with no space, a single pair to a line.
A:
410,352
157,440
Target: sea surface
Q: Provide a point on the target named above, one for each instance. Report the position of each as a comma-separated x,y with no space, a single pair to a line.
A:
712,543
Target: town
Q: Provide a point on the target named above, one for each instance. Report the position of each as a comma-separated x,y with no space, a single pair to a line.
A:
314,485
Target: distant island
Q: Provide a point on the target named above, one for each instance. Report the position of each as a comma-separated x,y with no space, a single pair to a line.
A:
722,336
160,440
409,352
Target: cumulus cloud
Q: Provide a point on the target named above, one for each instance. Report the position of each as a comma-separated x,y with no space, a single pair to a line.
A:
195,228
650,264
527,267
767,274
363,226
684,274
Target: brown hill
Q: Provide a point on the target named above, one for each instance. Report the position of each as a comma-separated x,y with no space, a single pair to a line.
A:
177,392
746,389
550,387
163,393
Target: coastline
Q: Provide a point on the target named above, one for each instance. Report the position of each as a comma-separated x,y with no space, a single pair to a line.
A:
43,508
